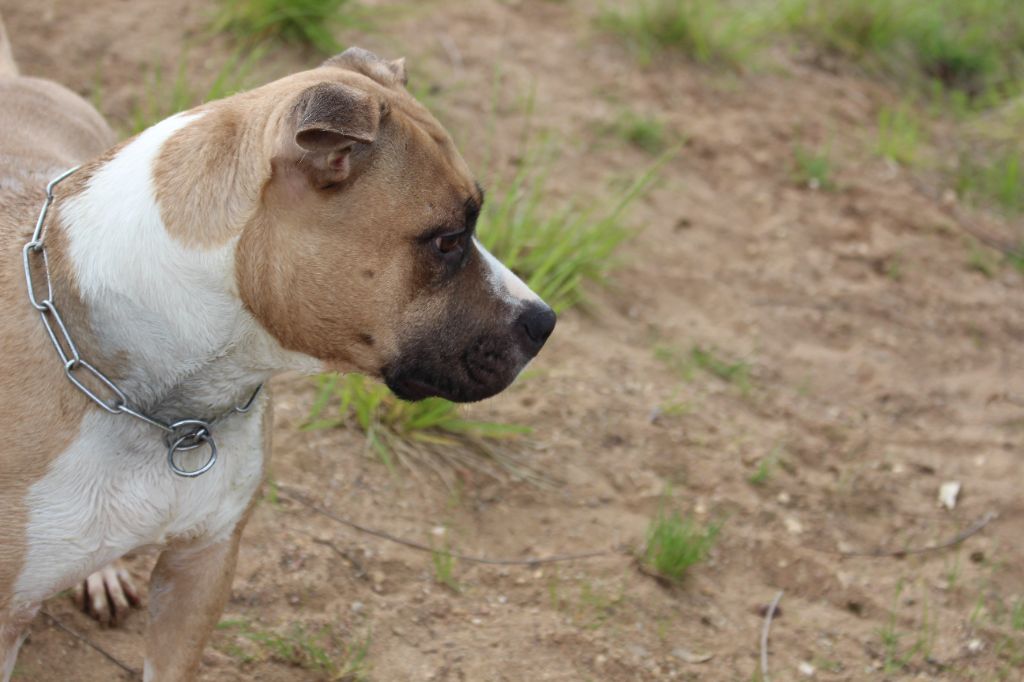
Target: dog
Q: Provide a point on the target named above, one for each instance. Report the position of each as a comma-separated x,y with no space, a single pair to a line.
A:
322,222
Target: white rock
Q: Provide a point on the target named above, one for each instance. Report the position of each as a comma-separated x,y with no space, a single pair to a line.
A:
793,525
806,669
948,492
975,646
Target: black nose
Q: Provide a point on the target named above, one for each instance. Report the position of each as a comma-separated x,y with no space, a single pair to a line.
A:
536,324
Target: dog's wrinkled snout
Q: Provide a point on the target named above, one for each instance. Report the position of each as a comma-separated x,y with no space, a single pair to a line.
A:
534,325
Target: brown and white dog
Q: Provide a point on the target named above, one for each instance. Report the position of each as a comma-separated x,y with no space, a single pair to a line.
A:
323,221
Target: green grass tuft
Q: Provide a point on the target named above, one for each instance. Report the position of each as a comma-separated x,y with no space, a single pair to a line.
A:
322,651
407,434
303,22
708,32
676,543
444,569
998,178
899,134
765,469
969,46
736,373
642,131
813,168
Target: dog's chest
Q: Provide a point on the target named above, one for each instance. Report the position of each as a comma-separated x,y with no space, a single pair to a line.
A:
112,492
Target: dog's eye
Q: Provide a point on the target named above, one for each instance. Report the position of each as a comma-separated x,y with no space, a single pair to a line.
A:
450,244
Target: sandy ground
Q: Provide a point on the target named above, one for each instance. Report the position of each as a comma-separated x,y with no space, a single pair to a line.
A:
881,365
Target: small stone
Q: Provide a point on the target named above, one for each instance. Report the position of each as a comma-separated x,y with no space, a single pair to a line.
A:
948,492
784,498
356,606
806,669
793,526
975,646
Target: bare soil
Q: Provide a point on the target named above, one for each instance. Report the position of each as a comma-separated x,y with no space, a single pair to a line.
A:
882,365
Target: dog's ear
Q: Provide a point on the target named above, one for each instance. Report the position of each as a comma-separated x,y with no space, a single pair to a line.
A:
330,119
389,73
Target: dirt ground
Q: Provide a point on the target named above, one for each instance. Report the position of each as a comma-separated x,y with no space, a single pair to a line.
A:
882,365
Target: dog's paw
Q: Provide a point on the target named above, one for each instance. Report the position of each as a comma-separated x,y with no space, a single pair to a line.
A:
108,595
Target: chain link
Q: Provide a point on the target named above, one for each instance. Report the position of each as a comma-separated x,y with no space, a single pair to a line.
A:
181,435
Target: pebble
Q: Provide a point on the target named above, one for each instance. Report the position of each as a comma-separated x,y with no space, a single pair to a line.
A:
948,492
975,646
793,526
806,669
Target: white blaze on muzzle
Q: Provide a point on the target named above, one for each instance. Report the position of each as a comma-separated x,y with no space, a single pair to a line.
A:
503,281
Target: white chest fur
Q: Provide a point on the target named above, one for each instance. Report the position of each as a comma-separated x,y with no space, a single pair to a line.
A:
112,492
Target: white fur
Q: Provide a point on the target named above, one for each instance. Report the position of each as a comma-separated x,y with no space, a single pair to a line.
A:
504,282
112,492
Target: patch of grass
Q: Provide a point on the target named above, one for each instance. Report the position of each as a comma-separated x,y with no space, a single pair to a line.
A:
707,32
969,46
899,134
998,178
1017,614
897,658
736,373
163,99
642,131
813,168
405,433
557,251
322,651
765,469
676,543
444,569
303,22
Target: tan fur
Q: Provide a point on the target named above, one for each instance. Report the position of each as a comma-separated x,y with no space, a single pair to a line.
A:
33,147
8,67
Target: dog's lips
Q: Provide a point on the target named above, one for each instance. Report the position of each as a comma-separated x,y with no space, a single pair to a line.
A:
411,388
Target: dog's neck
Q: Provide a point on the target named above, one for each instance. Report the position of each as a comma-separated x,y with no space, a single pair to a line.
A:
166,316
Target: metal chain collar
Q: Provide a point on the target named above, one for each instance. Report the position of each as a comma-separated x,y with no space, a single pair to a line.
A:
181,435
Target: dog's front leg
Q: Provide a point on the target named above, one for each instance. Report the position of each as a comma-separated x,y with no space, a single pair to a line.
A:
187,592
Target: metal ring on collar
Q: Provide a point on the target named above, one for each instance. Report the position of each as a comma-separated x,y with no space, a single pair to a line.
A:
195,434
193,441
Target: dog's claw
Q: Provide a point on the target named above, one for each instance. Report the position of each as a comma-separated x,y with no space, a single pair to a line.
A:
108,594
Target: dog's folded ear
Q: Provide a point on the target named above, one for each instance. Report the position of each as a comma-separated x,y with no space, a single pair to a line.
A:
389,73
330,119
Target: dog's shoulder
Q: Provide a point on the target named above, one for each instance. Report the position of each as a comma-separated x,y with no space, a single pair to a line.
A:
46,128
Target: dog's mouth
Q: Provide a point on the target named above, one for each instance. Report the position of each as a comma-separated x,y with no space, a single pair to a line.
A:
414,385
413,389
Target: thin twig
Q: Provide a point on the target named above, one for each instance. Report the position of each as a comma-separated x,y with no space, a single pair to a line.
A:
532,561
986,519
88,642
765,629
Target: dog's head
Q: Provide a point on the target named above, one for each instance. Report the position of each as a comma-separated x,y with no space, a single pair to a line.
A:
361,251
